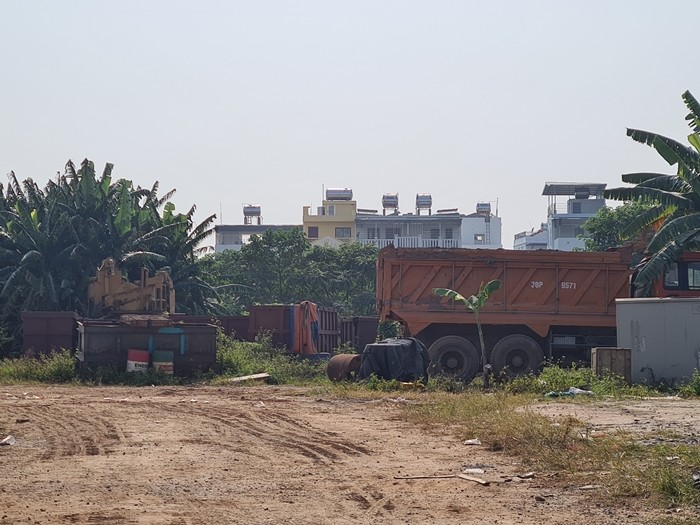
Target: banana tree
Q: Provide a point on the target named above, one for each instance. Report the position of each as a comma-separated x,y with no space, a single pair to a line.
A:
673,199
475,303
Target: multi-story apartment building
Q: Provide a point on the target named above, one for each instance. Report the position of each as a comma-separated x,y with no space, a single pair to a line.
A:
334,221
424,229
338,220
532,240
234,236
570,205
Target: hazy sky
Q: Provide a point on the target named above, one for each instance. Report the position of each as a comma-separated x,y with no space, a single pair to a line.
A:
265,102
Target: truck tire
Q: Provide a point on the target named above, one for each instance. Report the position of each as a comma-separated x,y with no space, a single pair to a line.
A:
516,355
453,357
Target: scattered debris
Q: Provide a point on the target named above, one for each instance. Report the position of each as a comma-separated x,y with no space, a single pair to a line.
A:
20,420
448,476
410,386
260,404
475,480
527,475
251,377
474,470
9,440
672,458
589,487
439,476
573,391
539,498
696,479
475,441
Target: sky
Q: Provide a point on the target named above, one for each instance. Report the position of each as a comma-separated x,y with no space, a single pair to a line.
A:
268,102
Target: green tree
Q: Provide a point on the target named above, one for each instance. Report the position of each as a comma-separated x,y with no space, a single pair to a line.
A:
53,239
342,277
193,294
475,303
282,267
604,229
271,265
674,200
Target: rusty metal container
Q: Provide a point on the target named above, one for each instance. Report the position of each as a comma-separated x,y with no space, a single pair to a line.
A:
103,343
359,331
279,321
276,319
45,332
235,326
328,329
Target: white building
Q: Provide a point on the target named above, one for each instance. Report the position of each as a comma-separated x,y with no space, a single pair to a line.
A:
425,229
570,205
234,236
481,229
532,240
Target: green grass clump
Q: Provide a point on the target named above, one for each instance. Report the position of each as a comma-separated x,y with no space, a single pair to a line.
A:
503,422
691,387
554,378
240,358
57,367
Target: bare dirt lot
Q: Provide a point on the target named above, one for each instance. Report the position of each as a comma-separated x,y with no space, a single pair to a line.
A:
191,455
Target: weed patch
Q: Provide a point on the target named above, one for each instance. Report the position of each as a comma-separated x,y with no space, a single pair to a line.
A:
238,358
57,367
555,378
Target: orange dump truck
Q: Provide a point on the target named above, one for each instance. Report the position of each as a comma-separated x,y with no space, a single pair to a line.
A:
551,304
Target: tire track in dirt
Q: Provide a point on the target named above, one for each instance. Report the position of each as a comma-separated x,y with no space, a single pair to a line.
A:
277,429
61,433
99,517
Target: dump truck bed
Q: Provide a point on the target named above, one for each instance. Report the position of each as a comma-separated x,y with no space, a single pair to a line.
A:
539,289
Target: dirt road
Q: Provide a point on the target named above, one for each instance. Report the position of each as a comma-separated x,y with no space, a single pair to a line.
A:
191,455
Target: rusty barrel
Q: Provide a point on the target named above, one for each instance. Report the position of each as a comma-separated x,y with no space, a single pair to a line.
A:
344,367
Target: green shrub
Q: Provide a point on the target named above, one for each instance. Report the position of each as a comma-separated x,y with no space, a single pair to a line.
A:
554,378
380,385
692,387
57,367
387,329
240,358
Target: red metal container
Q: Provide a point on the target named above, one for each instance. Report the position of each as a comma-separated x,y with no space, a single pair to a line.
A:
45,332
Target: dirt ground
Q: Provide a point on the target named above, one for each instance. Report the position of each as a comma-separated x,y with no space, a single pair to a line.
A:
191,455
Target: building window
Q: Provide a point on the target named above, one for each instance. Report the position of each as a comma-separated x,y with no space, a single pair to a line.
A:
343,233
331,209
448,233
435,233
372,233
693,276
575,207
479,238
313,232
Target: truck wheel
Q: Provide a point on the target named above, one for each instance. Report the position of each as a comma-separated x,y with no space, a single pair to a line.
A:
516,355
454,357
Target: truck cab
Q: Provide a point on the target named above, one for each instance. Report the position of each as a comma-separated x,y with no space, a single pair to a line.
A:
680,279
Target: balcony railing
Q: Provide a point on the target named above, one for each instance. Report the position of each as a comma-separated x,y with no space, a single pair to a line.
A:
412,242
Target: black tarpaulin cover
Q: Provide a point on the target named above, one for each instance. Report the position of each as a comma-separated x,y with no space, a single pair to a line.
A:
403,359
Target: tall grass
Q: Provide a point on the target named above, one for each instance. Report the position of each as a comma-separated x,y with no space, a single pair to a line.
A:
240,358
57,367
554,378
